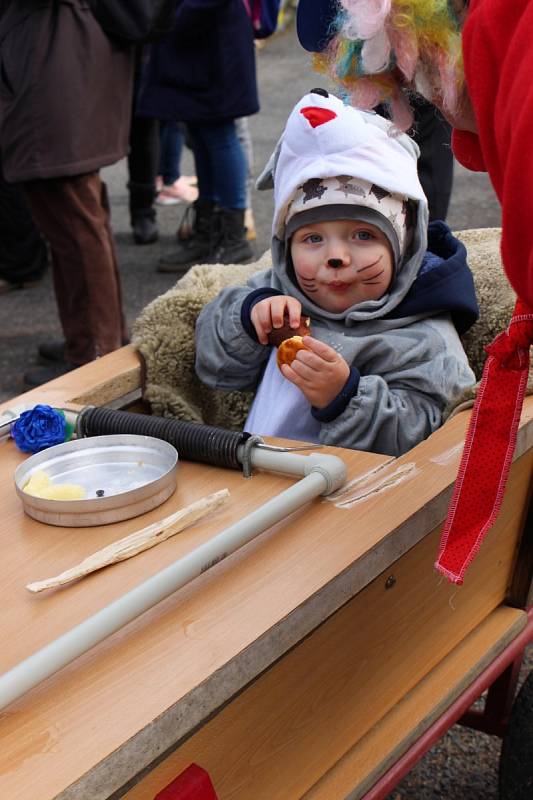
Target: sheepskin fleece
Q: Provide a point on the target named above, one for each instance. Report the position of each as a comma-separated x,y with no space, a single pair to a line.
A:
164,334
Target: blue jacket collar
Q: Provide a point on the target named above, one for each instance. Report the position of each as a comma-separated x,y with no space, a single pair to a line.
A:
444,282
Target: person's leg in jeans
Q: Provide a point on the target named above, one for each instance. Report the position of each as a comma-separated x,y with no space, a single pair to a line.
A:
197,247
175,188
228,177
73,214
170,144
243,133
227,163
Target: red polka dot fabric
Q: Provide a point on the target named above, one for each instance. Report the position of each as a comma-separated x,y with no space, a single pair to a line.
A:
489,447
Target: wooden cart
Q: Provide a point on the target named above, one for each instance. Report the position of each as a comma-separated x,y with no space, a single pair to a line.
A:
320,661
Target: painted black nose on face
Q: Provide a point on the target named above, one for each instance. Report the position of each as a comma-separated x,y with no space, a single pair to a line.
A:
335,262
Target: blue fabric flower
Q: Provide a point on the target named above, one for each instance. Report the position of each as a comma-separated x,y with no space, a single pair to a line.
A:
39,428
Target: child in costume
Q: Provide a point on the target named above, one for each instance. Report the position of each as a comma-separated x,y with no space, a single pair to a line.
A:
350,236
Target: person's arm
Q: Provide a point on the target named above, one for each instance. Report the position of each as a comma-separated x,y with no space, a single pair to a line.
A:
228,352
383,419
392,412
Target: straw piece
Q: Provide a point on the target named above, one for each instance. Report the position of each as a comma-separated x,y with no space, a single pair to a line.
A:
136,542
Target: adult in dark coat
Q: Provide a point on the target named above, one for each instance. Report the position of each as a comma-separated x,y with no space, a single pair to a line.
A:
203,74
65,107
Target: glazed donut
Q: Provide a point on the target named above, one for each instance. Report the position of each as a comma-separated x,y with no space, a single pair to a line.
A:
288,349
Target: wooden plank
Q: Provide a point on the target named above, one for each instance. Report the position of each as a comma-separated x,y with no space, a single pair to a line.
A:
387,741
97,383
293,724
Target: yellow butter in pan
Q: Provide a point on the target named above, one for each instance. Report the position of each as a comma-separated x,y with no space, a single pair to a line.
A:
40,485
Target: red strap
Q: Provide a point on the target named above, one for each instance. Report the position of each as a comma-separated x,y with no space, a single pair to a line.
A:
193,783
489,446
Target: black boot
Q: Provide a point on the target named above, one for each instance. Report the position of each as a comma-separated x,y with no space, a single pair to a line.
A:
198,247
52,350
232,246
142,212
144,227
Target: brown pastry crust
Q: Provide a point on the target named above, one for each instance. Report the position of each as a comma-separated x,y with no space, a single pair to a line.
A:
288,349
278,335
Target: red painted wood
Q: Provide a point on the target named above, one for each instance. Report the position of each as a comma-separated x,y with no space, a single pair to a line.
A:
193,783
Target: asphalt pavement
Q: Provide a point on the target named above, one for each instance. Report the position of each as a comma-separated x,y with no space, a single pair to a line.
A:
464,763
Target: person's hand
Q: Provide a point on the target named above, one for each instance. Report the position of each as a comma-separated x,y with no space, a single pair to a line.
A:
270,312
318,371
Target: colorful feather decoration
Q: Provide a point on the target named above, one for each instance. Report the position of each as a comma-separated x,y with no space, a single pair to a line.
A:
381,47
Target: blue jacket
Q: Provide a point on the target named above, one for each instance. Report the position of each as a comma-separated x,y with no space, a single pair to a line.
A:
204,71
444,282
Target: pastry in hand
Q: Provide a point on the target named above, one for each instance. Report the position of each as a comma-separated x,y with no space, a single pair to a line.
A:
278,335
288,349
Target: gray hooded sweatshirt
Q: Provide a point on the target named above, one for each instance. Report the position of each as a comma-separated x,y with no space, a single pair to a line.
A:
407,362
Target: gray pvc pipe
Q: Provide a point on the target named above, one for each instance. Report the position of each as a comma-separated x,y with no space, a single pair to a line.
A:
331,468
323,474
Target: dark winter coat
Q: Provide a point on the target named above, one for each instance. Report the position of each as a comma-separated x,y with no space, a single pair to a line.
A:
65,90
204,71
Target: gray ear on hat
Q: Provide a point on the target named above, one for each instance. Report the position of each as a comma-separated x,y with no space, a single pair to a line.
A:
266,179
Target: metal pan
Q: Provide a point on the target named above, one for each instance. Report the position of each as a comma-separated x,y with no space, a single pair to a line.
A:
136,474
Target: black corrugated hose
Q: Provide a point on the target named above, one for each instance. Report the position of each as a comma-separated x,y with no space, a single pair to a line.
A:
193,441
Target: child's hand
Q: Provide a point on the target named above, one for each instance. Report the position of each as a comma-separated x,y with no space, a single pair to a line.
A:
318,371
269,314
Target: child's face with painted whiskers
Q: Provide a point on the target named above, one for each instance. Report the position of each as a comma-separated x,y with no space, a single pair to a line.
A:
339,263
